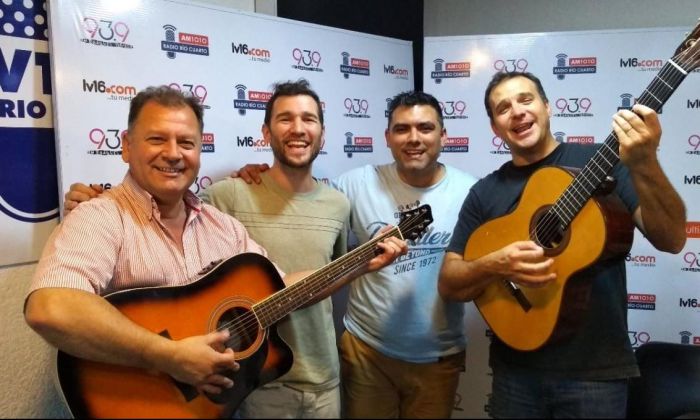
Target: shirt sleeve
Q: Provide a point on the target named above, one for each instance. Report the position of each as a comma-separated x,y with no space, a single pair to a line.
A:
82,251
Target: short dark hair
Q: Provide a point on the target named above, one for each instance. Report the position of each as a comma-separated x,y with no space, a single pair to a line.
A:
168,97
290,88
502,76
413,98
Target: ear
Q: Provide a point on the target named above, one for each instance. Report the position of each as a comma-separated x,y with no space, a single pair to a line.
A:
386,137
126,143
265,130
443,137
323,137
495,130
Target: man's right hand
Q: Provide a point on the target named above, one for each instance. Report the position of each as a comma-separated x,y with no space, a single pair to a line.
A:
250,173
78,193
202,361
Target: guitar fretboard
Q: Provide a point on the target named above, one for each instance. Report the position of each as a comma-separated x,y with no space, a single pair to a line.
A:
601,164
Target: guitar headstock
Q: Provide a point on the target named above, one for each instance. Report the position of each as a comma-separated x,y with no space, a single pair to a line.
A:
413,223
688,53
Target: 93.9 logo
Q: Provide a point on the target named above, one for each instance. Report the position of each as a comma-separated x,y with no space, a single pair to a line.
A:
510,65
198,91
201,183
108,141
501,146
105,32
453,109
573,107
356,107
306,59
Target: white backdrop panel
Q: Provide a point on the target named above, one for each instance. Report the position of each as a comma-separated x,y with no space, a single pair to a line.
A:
606,70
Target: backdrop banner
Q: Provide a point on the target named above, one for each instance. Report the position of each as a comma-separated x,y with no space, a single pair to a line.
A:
588,76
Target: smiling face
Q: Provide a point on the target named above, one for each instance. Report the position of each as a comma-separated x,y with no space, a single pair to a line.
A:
295,131
415,138
521,119
162,148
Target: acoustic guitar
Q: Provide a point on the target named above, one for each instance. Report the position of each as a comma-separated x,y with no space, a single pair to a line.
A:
243,294
576,224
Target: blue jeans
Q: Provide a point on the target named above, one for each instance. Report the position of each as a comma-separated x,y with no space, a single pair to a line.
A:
522,395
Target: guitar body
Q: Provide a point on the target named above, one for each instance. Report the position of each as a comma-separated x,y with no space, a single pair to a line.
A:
224,295
603,228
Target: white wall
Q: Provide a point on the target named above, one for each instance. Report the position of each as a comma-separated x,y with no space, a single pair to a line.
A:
480,17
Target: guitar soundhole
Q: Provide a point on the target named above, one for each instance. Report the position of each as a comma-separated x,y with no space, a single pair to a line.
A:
243,327
546,230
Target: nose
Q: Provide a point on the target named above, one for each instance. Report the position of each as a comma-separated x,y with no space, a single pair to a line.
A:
171,150
518,108
297,126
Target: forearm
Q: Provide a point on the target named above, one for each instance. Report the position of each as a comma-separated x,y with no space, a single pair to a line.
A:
461,280
96,331
662,211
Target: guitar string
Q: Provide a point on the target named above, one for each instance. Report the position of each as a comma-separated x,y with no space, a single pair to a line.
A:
253,319
310,286
550,220
319,285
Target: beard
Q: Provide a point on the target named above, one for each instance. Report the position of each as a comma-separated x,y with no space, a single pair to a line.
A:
278,152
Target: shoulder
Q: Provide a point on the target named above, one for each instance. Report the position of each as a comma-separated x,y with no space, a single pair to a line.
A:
460,175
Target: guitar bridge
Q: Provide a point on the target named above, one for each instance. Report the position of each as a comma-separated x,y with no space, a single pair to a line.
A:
518,295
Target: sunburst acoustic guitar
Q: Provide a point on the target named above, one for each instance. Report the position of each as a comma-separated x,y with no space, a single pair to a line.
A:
243,294
575,224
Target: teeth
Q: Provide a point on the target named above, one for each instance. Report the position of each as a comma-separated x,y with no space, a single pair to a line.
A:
169,170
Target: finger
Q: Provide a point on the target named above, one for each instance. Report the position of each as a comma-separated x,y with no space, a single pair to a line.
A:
209,389
220,381
97,188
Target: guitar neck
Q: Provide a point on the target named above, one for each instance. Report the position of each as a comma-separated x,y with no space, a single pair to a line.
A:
600,166
278,305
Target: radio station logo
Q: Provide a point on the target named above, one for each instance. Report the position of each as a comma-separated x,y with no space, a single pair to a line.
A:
501,147
688,338
453,70
628,100
510,65
356,108
192,89
573,107
112,92
258,145
453,110
245,100
186,43
641,301
563,138
106,141
398,73
694,143
356,144
28,184
637,338
350,65
208,143
641,260
456,145
692,262
105,33
201,183
691,179
306,60
574,65
692,230
642,64
691,303
253,54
